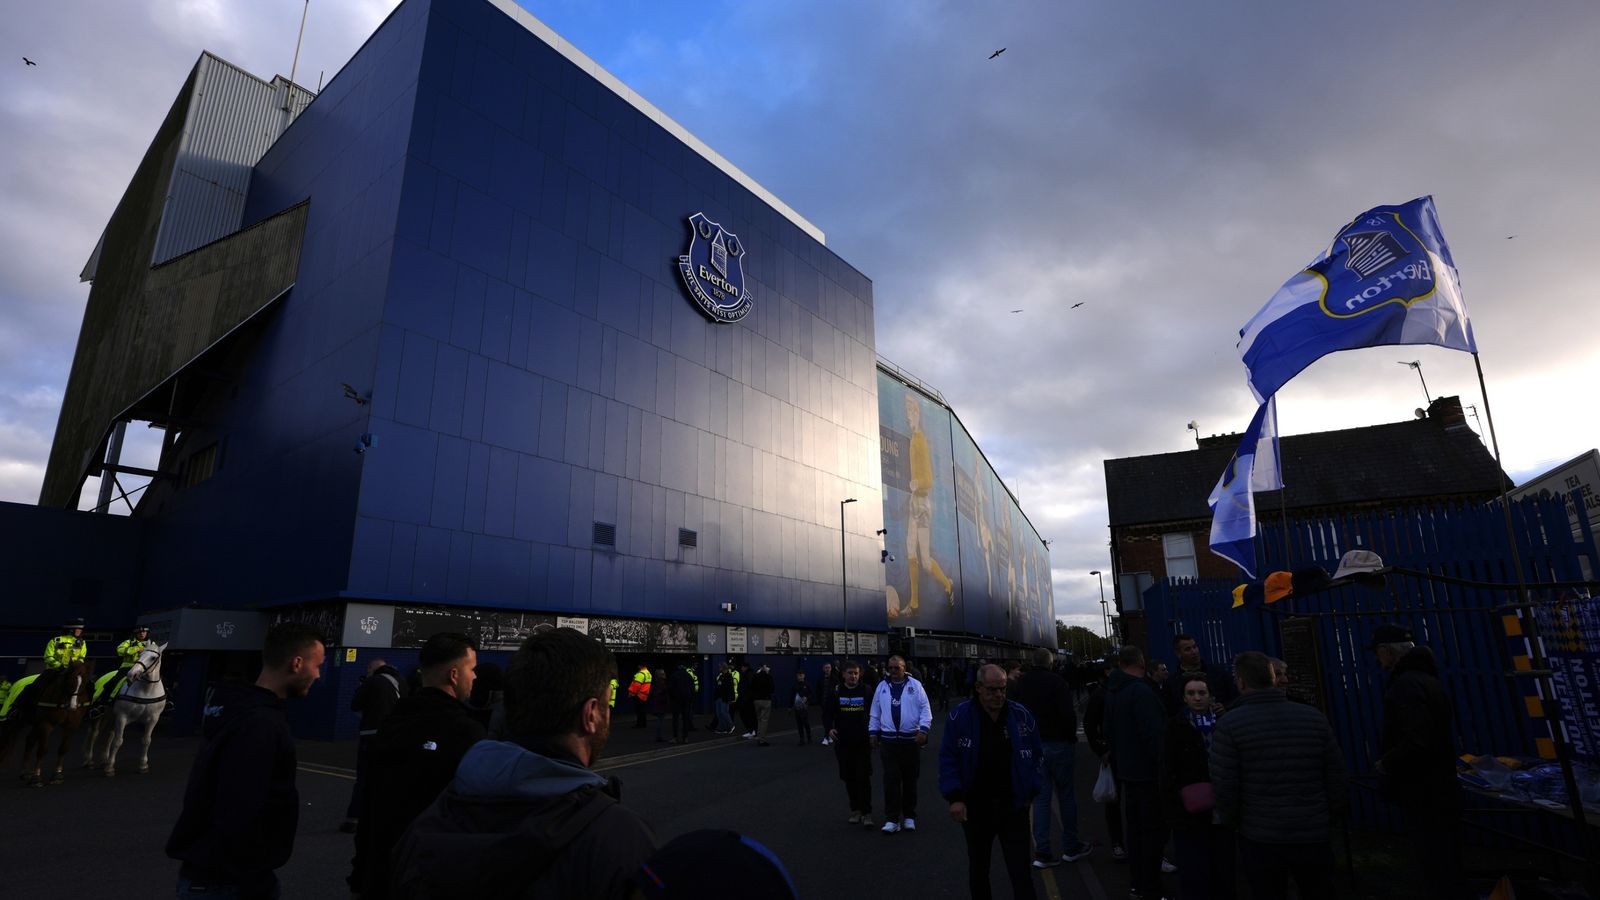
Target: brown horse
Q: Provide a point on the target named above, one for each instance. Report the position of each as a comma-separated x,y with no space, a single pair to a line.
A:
60,704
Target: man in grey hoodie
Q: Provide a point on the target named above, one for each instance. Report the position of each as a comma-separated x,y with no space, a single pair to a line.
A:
527,816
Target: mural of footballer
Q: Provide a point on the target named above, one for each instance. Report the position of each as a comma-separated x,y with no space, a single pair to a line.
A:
919,521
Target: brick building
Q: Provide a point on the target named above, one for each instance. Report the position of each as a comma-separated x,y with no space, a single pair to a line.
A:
1160,522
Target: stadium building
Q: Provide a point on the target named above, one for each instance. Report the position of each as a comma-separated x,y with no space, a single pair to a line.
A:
477,339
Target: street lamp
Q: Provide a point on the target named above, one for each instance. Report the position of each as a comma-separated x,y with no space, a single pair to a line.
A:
844,586
1105,617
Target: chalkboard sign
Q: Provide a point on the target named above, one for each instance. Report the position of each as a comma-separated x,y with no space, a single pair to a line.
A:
1298,635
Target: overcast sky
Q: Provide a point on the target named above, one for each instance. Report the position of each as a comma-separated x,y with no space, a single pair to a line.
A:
1168,164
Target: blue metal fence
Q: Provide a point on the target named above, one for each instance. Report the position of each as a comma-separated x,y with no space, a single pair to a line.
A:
1462,624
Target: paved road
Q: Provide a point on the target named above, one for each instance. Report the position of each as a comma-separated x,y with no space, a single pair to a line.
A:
95,837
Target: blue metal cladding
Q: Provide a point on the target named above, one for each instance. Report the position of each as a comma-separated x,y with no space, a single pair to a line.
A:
275,522
539,368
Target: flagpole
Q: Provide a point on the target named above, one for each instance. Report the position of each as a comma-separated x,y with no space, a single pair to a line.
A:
1530,625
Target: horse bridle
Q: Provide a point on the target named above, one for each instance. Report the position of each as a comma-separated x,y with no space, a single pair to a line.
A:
141,664
122,696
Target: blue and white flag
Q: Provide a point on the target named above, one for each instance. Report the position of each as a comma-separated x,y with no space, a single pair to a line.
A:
1387,278
1254,467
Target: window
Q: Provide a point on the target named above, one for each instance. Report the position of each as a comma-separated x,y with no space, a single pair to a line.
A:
1179,552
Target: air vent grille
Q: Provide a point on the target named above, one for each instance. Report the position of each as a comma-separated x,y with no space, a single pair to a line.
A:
687,538
605,534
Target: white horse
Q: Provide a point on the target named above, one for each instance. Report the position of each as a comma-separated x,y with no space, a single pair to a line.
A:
140,700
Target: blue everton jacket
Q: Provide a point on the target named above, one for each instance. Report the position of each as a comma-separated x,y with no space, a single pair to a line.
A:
958,753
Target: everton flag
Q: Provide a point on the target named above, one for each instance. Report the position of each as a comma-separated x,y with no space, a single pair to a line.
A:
1254,467
1387,278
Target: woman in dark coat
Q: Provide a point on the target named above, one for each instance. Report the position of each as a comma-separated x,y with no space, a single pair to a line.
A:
1204,848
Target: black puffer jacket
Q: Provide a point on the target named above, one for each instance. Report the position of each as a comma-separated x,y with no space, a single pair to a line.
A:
1417,754
1276,770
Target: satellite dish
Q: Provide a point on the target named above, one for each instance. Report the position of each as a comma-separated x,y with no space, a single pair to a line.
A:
1421,413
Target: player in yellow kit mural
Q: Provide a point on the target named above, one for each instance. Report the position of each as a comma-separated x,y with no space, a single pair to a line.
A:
919,522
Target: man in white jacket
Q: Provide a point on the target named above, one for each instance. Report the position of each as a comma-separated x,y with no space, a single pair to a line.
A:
898,725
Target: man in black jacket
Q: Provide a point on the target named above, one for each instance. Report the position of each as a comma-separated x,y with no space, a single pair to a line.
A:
680,696
1191,664
241,808
851,703
1046,695
1417,757
1094,720
377,694
528,817
416,754
761,689
1279,780
1134,726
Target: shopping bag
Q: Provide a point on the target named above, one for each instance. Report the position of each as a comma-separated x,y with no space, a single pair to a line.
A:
1105,787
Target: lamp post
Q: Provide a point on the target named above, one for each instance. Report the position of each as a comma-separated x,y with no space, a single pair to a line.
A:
1105,617
844,586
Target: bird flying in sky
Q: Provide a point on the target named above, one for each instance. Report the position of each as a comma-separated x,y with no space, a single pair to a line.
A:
27,61
1016,310
997,53
1079,303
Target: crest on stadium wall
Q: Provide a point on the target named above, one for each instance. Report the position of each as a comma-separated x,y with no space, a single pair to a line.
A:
713,270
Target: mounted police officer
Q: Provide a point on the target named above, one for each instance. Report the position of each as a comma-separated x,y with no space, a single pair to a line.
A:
107,686
60,652
65,649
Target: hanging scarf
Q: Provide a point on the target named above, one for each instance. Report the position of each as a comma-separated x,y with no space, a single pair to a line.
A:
1203,723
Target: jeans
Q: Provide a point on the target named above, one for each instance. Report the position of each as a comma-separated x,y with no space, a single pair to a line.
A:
1267,868
724,716
986,821
763,713
802,724
1059,759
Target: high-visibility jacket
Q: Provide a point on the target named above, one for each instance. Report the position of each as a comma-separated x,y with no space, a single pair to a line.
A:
736,685
65,650
128,651
15,692
640,688
695,679
613,692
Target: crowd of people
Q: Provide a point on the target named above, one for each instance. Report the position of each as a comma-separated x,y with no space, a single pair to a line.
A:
474,780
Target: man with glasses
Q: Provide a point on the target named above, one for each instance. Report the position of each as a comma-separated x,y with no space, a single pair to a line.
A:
899,724
989,771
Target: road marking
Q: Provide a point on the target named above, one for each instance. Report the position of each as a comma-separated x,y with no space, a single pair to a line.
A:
1091,882
635,759
1050,889
331,771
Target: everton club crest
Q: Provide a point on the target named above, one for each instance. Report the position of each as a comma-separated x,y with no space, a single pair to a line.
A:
713,270
1375,261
